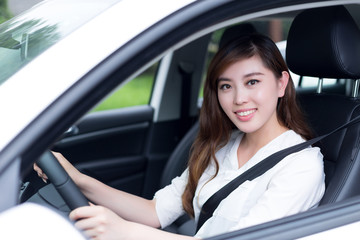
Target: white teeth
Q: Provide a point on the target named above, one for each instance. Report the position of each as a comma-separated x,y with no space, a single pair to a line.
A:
245,113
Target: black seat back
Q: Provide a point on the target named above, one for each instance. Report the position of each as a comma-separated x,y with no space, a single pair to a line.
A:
178,160
325,43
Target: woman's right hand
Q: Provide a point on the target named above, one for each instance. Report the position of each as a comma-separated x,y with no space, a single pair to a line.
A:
69,168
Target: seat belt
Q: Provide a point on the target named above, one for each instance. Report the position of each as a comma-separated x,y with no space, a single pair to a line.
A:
257,170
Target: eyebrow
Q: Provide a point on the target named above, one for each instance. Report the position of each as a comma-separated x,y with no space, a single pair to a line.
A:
245,76
220,79
252,74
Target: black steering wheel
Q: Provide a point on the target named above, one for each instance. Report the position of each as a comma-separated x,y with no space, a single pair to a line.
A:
68,190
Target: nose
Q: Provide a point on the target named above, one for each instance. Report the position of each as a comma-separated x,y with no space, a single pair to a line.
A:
240,97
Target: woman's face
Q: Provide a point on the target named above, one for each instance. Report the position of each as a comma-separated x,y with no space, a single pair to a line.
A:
248,93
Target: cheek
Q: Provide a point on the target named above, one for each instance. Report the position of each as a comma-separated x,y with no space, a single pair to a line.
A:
262,95
226,101
266,97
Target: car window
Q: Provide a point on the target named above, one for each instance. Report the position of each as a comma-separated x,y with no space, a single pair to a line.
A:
309,82
135,92
28,35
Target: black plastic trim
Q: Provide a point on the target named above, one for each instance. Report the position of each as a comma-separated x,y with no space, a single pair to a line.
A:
114,118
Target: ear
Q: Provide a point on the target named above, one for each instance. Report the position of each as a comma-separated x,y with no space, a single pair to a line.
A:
282,83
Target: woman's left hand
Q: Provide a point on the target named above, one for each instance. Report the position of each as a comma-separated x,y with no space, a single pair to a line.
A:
98,222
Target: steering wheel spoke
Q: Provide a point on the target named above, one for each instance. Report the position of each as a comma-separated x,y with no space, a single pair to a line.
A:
65,186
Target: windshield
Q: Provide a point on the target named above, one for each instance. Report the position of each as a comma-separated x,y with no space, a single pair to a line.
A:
27,35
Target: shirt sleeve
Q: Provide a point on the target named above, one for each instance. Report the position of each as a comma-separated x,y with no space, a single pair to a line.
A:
168,200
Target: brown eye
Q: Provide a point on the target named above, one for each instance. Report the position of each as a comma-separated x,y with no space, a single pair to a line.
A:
225,86
252,82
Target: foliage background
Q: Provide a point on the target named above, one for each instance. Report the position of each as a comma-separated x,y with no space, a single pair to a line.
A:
4,11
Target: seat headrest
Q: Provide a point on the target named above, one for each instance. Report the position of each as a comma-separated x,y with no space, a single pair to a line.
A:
324,43
236,31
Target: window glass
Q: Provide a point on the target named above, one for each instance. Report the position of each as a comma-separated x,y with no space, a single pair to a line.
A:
135,92
312,82
27,35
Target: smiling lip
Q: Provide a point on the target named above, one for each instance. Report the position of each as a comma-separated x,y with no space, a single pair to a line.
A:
245,114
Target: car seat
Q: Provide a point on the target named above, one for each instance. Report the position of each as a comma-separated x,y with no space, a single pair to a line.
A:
325,43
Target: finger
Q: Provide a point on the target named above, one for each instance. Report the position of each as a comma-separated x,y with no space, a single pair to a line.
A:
37,169
40,173
84,212
44,178
89,220
43,175
87,223
92,234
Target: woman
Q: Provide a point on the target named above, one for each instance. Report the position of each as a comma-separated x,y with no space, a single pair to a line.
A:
249,112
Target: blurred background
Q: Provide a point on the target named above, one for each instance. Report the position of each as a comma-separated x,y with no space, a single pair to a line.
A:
10,8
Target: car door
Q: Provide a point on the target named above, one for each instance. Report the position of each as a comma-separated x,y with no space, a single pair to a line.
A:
127,147
109,143
110,146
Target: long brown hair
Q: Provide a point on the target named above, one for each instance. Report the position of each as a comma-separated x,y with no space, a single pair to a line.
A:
215,127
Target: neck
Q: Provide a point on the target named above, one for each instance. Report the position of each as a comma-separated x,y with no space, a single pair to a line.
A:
259,139
252,142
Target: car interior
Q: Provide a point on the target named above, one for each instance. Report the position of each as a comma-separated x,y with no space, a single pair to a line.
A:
140,149
340,150
329,27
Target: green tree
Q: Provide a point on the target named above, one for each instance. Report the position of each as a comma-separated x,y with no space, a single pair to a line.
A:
4,11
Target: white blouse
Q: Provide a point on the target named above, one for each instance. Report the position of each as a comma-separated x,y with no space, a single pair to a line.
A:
295,184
